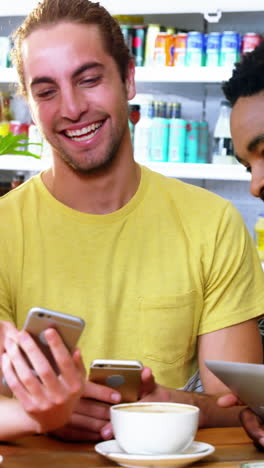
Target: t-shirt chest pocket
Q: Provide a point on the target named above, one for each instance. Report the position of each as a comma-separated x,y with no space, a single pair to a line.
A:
168,326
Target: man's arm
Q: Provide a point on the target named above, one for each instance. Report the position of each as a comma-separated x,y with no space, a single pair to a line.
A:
240,343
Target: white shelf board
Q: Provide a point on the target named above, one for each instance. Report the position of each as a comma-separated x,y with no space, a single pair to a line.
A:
8,75
118,7
139,7
17,7
23,163
183,74
158,74
179,170
200,171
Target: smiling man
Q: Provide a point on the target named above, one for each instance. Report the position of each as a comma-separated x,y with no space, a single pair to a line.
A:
161,271
245,92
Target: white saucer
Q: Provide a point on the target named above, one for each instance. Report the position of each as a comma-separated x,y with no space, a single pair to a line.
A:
1,458
111,449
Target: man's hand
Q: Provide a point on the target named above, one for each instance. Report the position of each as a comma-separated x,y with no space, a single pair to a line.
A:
47,398
90,420
252,424
91,416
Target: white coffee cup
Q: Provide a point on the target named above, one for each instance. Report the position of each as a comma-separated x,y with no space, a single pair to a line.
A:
153,428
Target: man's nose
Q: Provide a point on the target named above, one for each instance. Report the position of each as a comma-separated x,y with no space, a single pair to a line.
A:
72,104
257,182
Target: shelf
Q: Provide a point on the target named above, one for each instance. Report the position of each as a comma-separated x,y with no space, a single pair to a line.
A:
179,170
139,7
118,7
8,75
157,74
201,171
160,74
23,163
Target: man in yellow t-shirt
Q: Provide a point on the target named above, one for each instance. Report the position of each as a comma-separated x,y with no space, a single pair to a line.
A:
161,271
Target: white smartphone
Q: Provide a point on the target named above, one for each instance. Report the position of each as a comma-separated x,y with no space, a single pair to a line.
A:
124,375
244,379
39,319
68,326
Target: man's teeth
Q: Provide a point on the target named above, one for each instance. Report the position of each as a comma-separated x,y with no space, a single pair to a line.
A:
85,133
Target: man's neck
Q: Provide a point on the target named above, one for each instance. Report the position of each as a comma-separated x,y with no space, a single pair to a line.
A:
98,192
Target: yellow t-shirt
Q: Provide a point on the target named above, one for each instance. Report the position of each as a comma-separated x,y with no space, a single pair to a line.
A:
173,263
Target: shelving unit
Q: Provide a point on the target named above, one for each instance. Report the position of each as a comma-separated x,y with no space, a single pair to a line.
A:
161,75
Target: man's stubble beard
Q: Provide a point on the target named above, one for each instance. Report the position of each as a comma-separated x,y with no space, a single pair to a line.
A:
95,165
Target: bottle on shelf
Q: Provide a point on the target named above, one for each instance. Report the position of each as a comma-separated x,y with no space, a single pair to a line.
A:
177,134
203,145
192,142
17,179
159,133
133,118
259,236
142,133
223,151
34,136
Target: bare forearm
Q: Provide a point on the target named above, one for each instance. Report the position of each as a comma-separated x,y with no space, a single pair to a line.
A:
15,422
211,415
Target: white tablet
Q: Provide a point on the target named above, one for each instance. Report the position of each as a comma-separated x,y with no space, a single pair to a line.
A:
244,379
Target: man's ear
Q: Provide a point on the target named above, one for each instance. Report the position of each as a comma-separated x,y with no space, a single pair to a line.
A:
130,80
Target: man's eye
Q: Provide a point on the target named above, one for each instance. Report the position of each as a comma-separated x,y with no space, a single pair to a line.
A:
248,169
89,81
45,94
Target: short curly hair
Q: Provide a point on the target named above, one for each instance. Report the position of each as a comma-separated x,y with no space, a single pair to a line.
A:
51,12
248,76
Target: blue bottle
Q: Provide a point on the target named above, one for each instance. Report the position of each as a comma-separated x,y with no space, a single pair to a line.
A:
203,146
177,140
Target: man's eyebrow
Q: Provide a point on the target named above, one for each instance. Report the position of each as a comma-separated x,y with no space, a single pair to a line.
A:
41,79
79,71
85,67
255,142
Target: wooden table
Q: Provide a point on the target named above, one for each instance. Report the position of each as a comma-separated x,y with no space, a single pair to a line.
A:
232,447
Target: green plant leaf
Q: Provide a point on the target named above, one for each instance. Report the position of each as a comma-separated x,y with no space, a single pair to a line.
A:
24,153
10,144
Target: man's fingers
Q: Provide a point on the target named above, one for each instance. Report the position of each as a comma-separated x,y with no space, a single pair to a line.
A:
101,393
253,426
227,400
148,383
